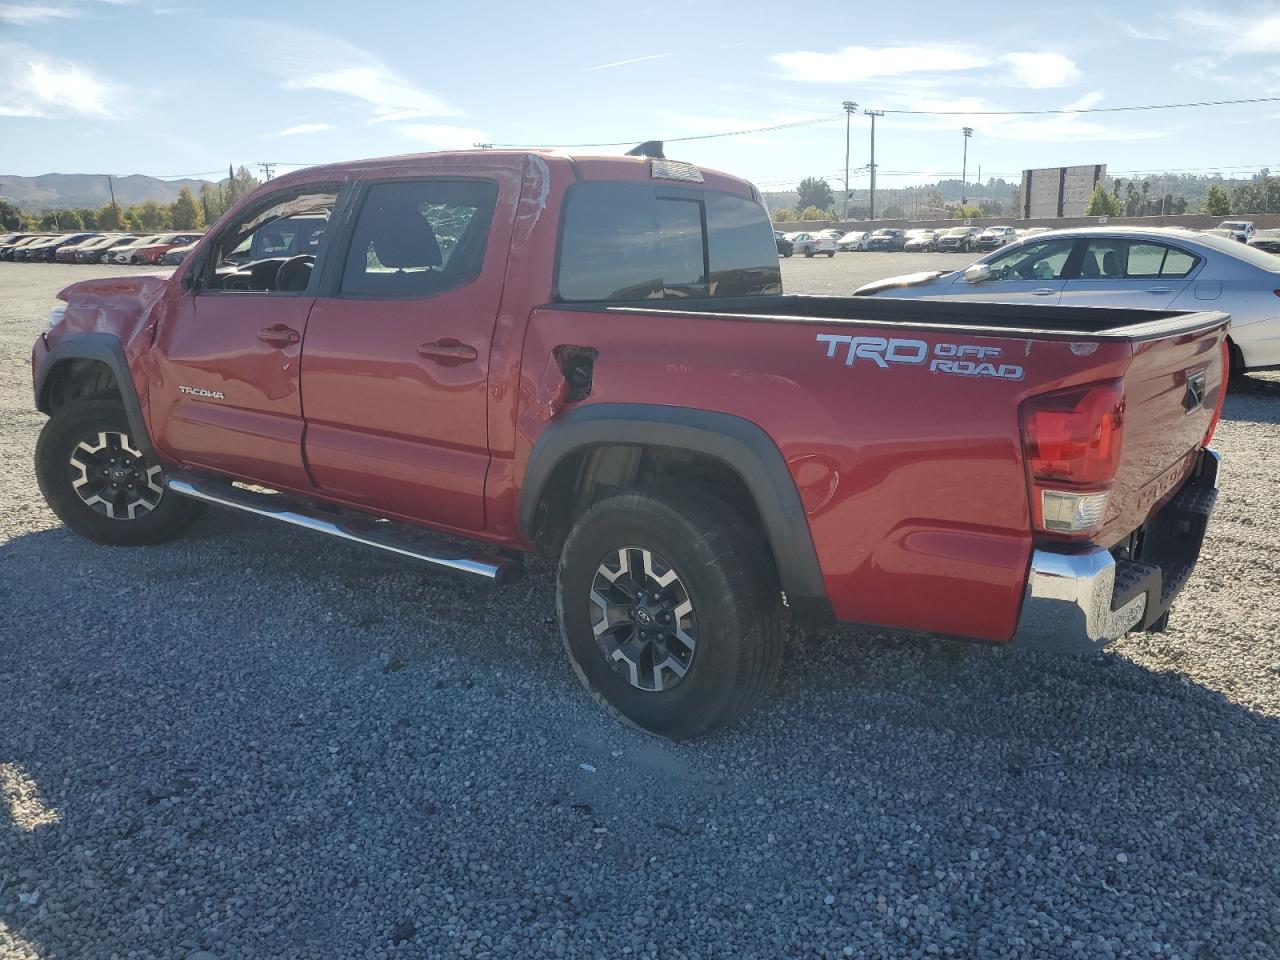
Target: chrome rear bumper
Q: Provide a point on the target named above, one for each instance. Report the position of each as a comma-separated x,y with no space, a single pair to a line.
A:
1072,602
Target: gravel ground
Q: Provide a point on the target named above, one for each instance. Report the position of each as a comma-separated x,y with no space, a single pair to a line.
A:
251,743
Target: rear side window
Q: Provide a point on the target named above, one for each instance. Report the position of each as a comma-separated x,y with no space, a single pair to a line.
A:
419,238
631,241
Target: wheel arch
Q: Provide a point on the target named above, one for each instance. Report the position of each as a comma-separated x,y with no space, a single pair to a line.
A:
562,461
84,355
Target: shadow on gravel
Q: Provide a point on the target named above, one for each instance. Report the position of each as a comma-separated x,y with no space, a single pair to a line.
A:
258,742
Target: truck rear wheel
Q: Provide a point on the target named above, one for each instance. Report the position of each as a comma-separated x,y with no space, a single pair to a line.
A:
95,477
669,611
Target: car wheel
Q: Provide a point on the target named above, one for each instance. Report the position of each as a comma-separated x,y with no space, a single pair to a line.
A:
97,481
1235,360
808,252
669,610
788,253
830,254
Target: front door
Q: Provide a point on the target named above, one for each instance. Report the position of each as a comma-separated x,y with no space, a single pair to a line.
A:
1028,273
1128,272
227,351
396,356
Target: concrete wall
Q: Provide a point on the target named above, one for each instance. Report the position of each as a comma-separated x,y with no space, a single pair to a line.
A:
1193,221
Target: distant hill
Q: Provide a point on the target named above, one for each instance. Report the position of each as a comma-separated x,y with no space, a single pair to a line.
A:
58,190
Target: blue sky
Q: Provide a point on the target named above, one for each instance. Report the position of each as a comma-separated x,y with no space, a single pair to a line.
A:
166,88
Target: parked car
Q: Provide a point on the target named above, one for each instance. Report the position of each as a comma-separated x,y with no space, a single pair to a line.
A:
959,239
99,253
1241,230
44,252
831,233
67,252
853,240
124,252
887,239
921,241
810,244
1010,450
175,255
993,238
1164,269
8,248
1268,240
152,252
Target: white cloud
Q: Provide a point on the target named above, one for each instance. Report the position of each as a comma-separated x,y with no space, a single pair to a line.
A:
316,61
375,84
1254,32
298,128
34,84
853,64
23,14
623,63
443,136
1042,70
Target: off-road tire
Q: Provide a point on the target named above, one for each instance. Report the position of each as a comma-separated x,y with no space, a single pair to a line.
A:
84,420
730,581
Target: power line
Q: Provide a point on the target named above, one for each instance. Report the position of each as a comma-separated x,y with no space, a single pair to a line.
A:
1033,113
702,136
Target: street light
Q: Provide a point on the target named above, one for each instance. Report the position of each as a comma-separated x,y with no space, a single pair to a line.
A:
873,114
964,167
849,107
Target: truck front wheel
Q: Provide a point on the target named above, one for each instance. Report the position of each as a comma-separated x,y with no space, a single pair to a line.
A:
95,477
669,611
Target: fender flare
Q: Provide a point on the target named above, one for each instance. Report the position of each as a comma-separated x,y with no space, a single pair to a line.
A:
107,349
740,444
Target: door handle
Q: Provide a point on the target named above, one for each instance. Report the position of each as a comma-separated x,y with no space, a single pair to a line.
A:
279,335
1159,289
447,352
1044,292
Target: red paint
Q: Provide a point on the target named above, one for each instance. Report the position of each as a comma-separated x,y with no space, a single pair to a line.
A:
914,484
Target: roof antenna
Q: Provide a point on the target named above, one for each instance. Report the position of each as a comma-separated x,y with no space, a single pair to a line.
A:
650,148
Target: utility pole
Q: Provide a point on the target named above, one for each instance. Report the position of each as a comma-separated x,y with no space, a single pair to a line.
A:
111,186
268,170
849,107
964,167
873,114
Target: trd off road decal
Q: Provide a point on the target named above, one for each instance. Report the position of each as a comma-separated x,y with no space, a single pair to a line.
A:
202,393
961,359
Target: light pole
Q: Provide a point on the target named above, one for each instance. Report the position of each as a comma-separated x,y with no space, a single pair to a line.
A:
873,114
849,107
964,167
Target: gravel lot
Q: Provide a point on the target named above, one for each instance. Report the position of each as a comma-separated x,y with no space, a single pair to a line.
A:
252,743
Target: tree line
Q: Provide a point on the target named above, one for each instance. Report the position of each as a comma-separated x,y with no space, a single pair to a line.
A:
187,212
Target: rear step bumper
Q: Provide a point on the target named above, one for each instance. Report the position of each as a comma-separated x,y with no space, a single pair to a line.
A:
402,539
1079,602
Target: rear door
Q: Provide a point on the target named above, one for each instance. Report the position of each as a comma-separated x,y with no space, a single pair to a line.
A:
1027,273
1129,272
396,356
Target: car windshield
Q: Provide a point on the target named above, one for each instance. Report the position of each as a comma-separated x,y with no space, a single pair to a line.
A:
1232,225
957,231
885,233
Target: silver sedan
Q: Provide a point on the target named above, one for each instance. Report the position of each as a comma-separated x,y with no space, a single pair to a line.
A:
1166,269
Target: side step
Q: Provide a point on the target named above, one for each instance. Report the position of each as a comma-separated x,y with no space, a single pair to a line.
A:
398,538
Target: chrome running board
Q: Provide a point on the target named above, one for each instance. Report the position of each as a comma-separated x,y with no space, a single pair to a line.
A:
398,538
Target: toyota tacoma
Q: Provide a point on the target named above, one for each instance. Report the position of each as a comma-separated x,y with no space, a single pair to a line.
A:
486,355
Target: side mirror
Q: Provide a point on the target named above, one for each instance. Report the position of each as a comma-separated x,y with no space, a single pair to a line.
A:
978,273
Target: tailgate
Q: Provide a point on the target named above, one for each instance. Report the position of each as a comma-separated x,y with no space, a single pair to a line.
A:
1172,389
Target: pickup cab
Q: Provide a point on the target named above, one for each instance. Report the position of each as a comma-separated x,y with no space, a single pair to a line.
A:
491,354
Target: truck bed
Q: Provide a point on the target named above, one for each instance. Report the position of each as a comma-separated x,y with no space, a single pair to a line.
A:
1035,320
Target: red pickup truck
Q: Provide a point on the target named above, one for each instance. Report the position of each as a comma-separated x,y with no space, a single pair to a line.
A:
592,359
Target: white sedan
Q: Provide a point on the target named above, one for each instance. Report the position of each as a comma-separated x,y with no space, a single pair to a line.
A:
1165,269
813,243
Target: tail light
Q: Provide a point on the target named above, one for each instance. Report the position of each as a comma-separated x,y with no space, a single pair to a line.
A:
1072,440
1222,391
